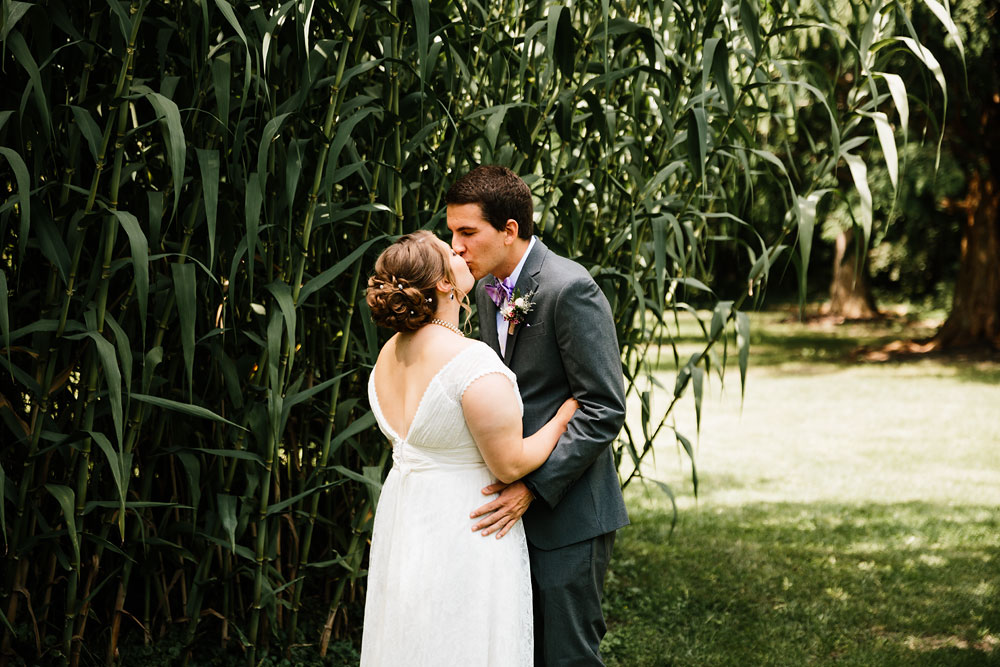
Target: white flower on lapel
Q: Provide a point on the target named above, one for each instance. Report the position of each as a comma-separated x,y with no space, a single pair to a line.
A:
516,308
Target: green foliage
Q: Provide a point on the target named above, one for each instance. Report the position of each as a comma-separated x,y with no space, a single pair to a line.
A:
196,190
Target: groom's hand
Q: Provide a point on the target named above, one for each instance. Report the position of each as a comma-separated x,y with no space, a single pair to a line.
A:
503,512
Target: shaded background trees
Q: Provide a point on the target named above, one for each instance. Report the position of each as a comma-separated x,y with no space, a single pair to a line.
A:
194,193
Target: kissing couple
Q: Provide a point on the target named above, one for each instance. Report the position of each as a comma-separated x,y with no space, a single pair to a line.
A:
525,418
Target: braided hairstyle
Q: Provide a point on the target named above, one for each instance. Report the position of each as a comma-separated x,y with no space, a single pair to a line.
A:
402,291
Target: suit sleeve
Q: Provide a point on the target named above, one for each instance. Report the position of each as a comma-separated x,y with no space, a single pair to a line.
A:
588,345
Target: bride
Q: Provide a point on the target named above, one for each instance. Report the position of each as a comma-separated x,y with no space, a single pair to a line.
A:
439,593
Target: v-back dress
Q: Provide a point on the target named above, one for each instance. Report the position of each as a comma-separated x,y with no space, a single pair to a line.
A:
439,593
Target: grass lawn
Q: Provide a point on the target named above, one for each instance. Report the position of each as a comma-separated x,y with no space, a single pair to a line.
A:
848,515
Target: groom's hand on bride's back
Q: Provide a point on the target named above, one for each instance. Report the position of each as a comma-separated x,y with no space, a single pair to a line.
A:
502,513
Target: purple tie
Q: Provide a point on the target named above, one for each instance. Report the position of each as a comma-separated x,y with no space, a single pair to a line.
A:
499,291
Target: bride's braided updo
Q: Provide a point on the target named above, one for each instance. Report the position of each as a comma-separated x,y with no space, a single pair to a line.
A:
401,292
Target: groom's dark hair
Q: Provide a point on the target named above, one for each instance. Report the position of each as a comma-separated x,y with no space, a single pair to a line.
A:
501,194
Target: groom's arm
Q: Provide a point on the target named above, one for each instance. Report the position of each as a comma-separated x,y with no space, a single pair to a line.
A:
588,345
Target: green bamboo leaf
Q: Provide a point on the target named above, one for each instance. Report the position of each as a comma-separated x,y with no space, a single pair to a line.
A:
274,330
208,162
22,54
230,15
227,516
859,172
944,16
140,261
24,197
112,375
227,11
355,427
149,364
12,13
50,241
421,19
240,454
930,62
253,201
270,133
124,22
716,62
720,69
66,498
293,167
493,125
221,76
345,129
750,23
121,466
697,142
283,295
684,376
185,408
192,470
88,128
686,444
660,255
155,208
323,279
124,349
698,383
743,343
184,289
176,154
673,501
565,44
807,222
363,479
888,142
720,315
693,282
279,507
897,89
293,399
762,265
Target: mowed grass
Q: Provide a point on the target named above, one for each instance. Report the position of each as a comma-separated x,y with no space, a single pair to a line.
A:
849,514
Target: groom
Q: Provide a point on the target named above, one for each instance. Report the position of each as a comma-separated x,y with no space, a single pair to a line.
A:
564,345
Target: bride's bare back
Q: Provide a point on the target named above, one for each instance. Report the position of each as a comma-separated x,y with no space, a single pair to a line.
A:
406,366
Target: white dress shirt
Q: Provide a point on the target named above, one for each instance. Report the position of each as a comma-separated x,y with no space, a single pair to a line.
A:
501,322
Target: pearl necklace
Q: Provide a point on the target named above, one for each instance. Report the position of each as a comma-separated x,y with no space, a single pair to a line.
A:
448,325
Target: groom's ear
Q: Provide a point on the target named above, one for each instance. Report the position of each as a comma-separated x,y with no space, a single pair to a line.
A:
510,231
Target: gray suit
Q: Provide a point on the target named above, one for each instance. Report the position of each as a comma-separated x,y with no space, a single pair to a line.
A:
567,347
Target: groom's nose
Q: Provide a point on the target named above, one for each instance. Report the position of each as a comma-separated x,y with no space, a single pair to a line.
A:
457,246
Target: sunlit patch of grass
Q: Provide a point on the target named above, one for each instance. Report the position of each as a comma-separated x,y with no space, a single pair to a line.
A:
849,514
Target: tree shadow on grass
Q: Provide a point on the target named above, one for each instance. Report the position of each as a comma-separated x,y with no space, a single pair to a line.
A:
796,584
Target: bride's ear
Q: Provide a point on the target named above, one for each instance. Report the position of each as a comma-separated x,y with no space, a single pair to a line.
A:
444,286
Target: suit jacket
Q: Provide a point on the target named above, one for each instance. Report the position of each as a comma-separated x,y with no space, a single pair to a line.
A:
566,347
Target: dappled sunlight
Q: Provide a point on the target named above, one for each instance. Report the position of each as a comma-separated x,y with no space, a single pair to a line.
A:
747,577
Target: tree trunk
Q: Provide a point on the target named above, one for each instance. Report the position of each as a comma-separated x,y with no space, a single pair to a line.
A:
850,292
975,314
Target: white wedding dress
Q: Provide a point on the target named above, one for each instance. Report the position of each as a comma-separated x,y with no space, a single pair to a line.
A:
439,593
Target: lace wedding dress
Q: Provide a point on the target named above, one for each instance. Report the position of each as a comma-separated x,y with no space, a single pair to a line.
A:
439,593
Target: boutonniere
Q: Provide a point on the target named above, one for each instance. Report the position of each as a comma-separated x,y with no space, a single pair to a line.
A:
516,308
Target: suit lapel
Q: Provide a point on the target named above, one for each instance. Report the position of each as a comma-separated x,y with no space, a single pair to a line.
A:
526,282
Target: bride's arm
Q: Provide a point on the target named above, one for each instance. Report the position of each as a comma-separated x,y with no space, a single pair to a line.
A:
491,411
